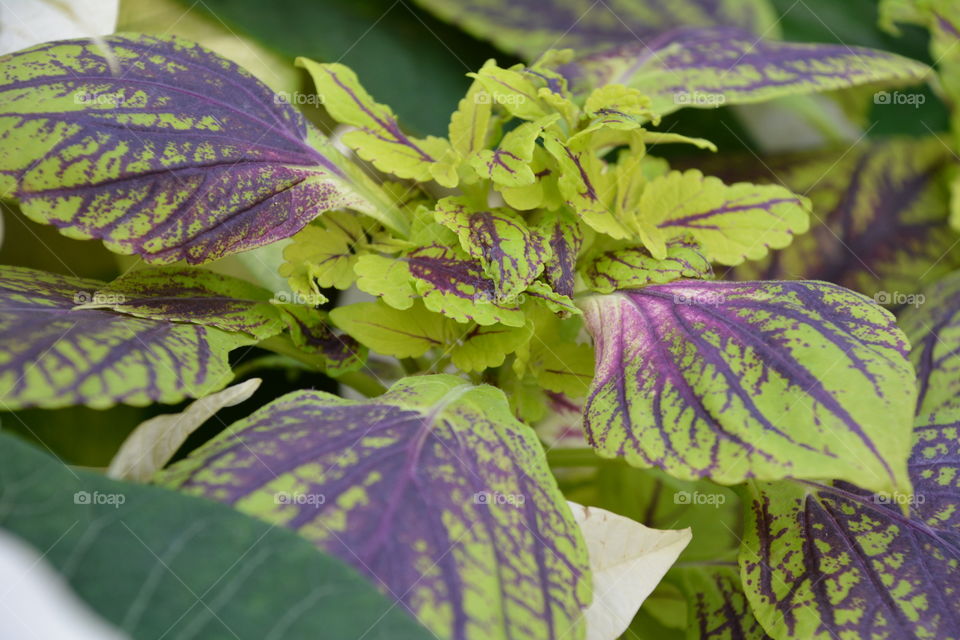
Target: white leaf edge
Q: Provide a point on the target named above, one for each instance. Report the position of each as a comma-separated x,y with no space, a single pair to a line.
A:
24,23
151,445
627,561
36,602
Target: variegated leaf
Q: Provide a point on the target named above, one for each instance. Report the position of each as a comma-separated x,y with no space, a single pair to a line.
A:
731,223
751,380
709,68
634,267
824,562
161,148
530,27
377,137
880,216
57,356
511,253
184,294
433,490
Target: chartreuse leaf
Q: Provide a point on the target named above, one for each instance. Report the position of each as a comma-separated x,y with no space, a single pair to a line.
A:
712,67
57,356
883,566
511,253
483,347
403,334
513,91
717,607
470,124
529,28
118,542
415,331
324,253
880,224
387,277
828,561
618,106
732,223
555,359
509,164
160,148
633,267
543,192
185,294
756,379
311,333
587,188
433,490
378,138
452,283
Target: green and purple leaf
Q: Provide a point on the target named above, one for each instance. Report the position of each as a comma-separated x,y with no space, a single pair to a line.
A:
717,607
835,561
184,294
933,328
511,253
763,380
564,238
433,490
634,267
55,355
310,333
176,153
377,137
709,68
528,28
455,285
731,223
880,222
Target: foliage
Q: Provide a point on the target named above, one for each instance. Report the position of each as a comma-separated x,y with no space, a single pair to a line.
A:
546,303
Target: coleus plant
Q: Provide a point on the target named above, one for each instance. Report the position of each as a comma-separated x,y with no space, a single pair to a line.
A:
535,263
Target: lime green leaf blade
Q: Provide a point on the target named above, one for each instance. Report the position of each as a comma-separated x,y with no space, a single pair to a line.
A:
57,356
709,68
432,490
185,294
161,148
377,137
634,267
732,223
511,253
753,379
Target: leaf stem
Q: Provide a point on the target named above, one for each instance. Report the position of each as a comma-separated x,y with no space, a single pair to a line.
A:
362,383
573,458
